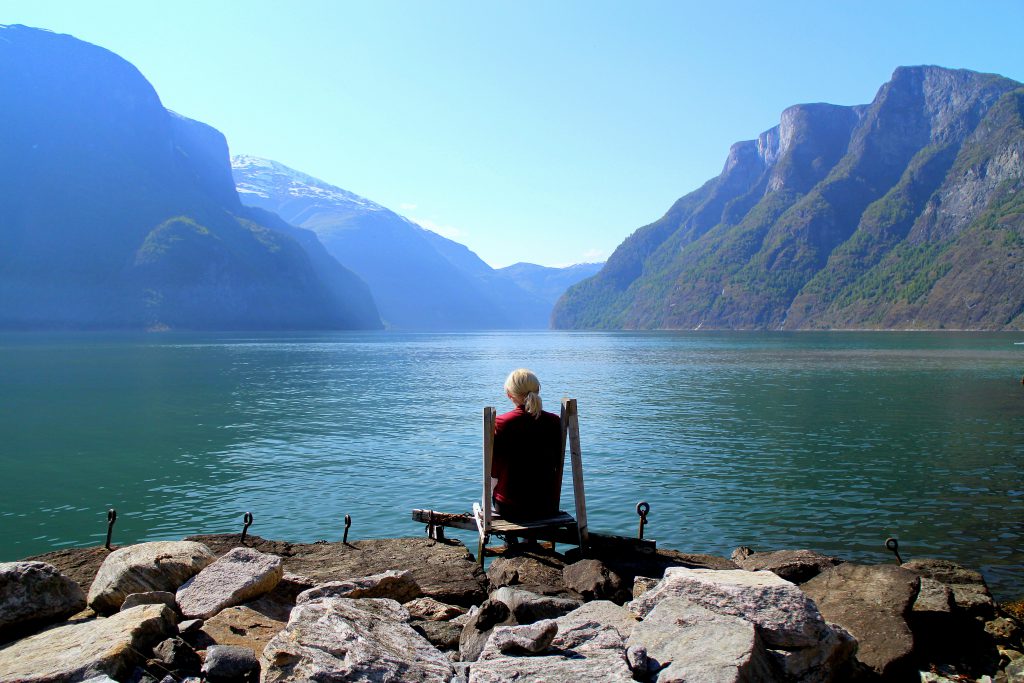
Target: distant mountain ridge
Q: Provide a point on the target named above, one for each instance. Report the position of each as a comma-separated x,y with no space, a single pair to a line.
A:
115,213
905,213
419,279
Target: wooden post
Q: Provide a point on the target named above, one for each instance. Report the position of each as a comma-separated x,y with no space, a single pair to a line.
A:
573,429
488,457
561,457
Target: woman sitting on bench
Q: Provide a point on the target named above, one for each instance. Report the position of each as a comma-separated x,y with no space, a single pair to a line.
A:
527,451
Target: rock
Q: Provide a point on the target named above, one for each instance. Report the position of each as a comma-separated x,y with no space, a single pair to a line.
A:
970,592
345,639
872,603
534,570
527,607
34,594
109,646
230,663
175,654
241,626
933,598
588,647
686,642
399,586
143,568
443,570
642,584
444,635
639,663
240,575
479,625
429,609
592,580
1015,671
784,615
190,625
151,598
529,639
278,603
1003,630
796,566
828,660
630,565
78,564
583,627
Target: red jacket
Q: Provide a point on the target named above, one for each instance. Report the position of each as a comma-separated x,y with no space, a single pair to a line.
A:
527,452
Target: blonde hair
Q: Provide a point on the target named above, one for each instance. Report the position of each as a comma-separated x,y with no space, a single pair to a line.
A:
524,387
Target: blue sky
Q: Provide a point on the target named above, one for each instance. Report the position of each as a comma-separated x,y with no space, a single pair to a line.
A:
529,131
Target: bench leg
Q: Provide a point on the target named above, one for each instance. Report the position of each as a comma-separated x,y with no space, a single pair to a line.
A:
482,549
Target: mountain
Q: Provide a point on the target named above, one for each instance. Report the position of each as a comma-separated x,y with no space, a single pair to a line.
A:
419,279
901,214
548,283
116,213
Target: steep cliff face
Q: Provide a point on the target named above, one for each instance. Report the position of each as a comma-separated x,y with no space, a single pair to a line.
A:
805,224
115,213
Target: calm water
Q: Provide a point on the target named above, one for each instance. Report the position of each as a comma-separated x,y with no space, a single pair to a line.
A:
827,441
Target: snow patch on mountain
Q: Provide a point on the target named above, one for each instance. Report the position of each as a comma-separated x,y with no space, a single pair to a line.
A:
266,178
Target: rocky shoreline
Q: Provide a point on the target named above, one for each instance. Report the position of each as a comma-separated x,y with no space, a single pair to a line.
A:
212,608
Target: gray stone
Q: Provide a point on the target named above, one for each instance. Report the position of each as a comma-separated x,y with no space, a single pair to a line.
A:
109,646
399,586
796,566
429,609
592,580
479,625
34,594
1015,671
829,660
933,598
144,568
240,575
529,639
686,642
784,616
345,639
190,625
970,592
278,603
1003,630
151,598
230,663
177,655
529,607
872,603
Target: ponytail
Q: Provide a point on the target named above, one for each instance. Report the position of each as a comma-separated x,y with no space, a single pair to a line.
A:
523,384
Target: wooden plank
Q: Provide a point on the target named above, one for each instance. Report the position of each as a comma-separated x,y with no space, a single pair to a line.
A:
577,469
561,457
462,520
488,455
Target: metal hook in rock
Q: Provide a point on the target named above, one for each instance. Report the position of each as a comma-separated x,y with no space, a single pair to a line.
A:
111,518
893,545
642,509
247,519
348,523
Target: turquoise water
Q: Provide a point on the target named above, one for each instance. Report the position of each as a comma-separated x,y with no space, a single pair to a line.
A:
831,441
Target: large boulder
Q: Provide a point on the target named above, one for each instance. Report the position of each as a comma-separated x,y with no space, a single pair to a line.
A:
240,575
593,580
527,607
429,609
240,626
78,564
784,615
970,592
686,642
796,566
443,570
872,603
345,639
399,586
229,664
534,570
278,603
479,625
143,568
75,652
590,645
34,594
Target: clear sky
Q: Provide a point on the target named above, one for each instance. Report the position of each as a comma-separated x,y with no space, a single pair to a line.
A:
542,131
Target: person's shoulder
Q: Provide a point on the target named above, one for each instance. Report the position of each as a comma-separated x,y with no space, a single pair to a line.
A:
550,417
507,417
